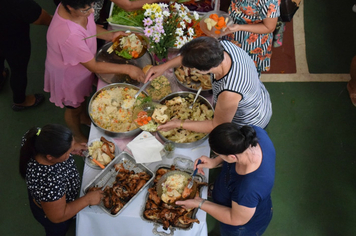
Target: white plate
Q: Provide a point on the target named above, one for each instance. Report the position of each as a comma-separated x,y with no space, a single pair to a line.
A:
92,164
211,32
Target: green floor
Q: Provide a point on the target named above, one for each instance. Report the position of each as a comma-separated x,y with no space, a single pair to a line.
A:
313,128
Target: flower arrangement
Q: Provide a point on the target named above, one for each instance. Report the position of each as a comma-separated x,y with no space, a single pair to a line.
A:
167,26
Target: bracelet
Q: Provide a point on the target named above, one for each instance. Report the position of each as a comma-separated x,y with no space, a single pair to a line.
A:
201,203
181,124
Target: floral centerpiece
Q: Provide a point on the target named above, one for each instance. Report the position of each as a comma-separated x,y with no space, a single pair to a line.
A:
168,26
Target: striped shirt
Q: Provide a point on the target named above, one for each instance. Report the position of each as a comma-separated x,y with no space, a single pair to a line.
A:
255,107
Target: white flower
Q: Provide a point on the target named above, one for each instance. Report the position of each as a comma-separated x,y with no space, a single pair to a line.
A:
191,32
187,19
163,5
166,13
183,14
177,6
196,15
148,12
179,43
179,31
158,15
182,25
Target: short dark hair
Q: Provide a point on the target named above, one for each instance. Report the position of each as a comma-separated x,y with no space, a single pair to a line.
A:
76,4
229,138
52,139
202,53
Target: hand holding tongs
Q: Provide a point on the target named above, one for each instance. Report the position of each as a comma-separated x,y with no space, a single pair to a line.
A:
190,184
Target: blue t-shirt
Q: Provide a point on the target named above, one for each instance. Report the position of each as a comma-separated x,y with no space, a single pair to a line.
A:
251,190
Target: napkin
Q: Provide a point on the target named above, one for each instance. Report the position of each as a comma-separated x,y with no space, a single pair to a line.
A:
145,148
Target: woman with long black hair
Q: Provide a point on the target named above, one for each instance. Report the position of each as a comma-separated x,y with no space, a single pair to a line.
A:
52,178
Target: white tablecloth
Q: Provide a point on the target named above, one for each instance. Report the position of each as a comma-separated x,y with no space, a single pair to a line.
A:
93,221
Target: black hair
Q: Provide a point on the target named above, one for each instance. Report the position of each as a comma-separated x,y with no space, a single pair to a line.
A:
52,139
202,53
229,138
77,4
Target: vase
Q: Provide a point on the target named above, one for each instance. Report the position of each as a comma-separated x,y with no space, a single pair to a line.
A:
171,53
158,60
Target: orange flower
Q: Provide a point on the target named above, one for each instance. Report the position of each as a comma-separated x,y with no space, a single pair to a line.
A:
264,39
249,11
252,38
256,51
271,9
248,21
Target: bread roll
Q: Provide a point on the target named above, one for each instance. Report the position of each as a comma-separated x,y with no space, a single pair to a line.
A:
146,68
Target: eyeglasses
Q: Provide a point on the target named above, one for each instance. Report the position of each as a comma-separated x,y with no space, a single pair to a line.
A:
87,10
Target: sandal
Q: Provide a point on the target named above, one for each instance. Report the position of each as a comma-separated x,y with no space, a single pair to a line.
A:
352,94
7,73
38,99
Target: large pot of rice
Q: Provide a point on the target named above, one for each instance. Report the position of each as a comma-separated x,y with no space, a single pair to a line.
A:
110,109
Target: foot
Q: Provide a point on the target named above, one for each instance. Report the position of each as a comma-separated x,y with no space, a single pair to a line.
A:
30,101
352,93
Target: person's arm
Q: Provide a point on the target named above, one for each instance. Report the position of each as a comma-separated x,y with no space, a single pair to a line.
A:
43,19
128,5
225,110
59,211
236,215
156,71
268,25
111,68
207,162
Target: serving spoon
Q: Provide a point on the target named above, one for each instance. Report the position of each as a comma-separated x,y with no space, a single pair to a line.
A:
196,96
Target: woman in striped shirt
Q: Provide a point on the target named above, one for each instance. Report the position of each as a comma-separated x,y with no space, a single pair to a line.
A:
239,95
255,21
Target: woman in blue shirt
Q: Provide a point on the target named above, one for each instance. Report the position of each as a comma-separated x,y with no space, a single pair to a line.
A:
242,191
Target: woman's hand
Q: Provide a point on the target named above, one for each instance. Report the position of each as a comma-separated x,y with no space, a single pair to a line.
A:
117,34
175,123
136,73
154,72
79,148
206,162
232,28
94,197
190,203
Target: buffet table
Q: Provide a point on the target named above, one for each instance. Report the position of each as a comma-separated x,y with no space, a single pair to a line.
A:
94,221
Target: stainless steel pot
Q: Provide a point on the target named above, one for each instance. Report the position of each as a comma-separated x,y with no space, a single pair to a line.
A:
201,100
131,133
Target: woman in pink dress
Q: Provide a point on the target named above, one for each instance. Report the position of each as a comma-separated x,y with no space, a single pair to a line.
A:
71,64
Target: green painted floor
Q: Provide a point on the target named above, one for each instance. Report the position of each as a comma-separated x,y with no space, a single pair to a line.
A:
313,128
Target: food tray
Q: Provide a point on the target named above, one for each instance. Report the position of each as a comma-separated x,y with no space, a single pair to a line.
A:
107,177
185,165
90,163
123,27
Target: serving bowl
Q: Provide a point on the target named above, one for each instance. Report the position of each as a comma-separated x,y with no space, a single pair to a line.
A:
104,56
108,132
201,100
212,32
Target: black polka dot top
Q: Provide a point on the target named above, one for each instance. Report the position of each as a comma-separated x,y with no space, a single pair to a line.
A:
51,182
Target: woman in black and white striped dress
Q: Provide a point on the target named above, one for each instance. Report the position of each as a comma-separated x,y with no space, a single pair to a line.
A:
239,95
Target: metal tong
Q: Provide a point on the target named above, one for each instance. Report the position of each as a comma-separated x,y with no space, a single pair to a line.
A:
190,184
